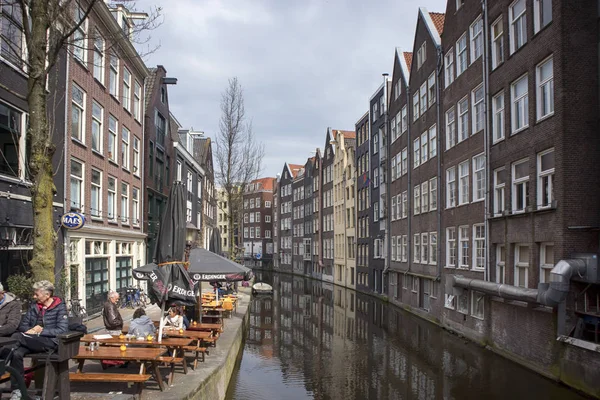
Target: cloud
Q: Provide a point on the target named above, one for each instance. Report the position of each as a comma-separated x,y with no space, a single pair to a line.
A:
304,65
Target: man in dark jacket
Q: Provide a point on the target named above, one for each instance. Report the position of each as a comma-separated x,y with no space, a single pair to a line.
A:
113,322
45,319
10,312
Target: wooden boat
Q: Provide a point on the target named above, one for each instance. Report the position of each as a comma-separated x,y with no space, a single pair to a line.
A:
262,288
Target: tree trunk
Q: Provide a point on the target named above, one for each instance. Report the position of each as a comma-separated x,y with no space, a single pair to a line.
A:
42,150
230,218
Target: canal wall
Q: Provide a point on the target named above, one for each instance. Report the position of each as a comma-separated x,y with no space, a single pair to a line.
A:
521,333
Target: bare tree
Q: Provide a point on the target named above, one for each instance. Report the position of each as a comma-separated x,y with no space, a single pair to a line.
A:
51,30
238,155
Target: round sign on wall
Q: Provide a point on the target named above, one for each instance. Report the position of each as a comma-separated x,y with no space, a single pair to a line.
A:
72,220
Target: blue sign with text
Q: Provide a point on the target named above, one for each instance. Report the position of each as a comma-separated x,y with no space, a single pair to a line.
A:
73,220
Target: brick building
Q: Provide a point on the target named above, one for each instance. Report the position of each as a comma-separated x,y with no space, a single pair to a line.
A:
327,213
310,235
104,155
314,219
285,215
257,225
298,209
363,203
158,153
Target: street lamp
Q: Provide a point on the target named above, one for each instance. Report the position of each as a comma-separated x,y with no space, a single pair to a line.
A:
7,234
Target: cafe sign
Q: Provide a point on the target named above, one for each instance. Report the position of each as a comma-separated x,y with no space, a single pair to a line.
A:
72,220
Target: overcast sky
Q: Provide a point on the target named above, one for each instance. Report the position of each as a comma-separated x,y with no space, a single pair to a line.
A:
304,65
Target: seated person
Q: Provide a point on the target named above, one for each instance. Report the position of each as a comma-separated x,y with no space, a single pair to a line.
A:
141,324
175,320
45,319
10,312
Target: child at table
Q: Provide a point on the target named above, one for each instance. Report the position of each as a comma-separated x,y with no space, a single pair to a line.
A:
175,320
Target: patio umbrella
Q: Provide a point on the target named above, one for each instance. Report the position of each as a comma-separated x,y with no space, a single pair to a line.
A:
169,282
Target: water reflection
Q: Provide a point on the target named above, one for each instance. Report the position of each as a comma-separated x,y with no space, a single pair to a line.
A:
316,340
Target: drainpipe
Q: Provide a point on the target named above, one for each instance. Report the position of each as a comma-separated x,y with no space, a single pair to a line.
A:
409,193
66,261
486,141
388,180
439,68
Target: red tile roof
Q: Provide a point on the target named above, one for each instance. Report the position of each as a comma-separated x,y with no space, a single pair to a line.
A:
408,59
347,134
295,168
438,21
265,183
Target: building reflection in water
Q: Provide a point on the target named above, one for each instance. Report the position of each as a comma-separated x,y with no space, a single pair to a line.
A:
315,340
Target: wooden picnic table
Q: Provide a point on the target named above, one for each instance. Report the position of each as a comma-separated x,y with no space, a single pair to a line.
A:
198,335
135,354
167,342
205,327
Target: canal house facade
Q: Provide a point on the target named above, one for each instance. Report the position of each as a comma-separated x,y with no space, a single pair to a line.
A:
363,195
257,226
327,213
298,211
103,157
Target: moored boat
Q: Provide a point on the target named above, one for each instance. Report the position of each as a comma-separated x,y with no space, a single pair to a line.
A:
262,288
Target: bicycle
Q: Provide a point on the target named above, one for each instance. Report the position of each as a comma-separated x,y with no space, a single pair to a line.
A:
76,309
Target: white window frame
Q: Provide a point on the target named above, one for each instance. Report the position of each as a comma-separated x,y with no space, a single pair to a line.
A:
451,194
404,160
113,75
113,135
433,194
137,101
476,36
80,50
416,106
477,110
544,90
81,180
423,98
432,141
135,206
498,120
519,181
545,266
111,212
417,200
545,188
424,147
463,182
497,43
124,201
425,248
404,114
451,243
479,181
519,102
450,128
477,298
517,25
421,55
136,156
125,141
97,213
431,93
461,64
463,247
80,136
126,95
98,62
98,126
519,264
479,252
433,248
405,204
538,6
499,192
462,108
424,197
500,264
449,67
417,152
417,248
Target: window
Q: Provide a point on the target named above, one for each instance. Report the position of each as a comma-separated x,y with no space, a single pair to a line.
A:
137,104
79,36
450,301
432,141
499,187
404,119
394,168
545,178
417,248
190,181
521,266
404,164
500,264
416,106
463,302
477,302
397,89
375,150
546,261
99,59
449,67
136,156
478,246
520,104
424,248
417,152
267,218
459,4
125,148
542,14
126,89
374,112
394,206
518,25
478,177
124,203
375,178
267,204
450,129
421,55
498,117
463,249
111,205
433,248
450,247
431,89
520,186
113,75
160,123
423,97
267,234
463,187
451,187
178,171
417,200
478,109
404,249
78,114
76,185
424,196
463,119
545,88
433,194
97,118
375,211
135,207
257,232
404,204
476,39
394,248
497,43
112,138
424,147
96,194
461,55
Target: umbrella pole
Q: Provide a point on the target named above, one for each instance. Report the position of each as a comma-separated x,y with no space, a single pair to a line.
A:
162,322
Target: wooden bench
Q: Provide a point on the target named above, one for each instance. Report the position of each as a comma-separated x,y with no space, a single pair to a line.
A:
138,379
198,351
172,361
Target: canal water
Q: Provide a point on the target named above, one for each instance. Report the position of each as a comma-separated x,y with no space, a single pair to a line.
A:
314,340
